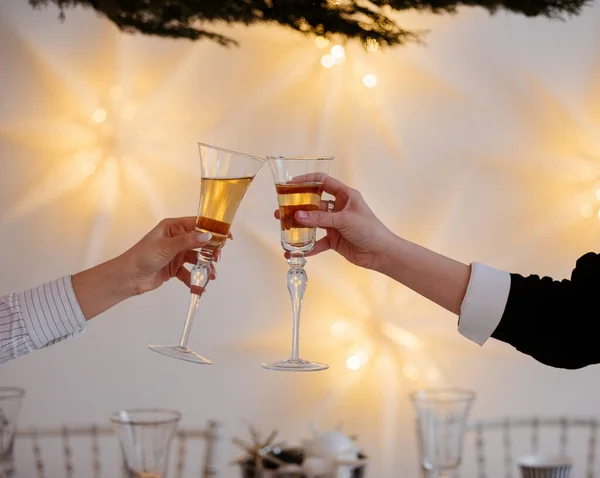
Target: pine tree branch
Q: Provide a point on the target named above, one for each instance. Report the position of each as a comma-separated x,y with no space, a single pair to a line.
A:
364,20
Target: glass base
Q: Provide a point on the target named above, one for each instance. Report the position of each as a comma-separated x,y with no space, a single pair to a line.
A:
7,468
291,365
180,353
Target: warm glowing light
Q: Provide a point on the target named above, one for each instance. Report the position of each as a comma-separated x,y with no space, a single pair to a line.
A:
357,359
598,213
88,166
129,111
327,61
116,92
338,328
410,371
362,356
369,80
372,45
358,68
321,42
111,164
338,51
401,337
598,194
107,184
100,115
353,362
340,60
587,210
433,375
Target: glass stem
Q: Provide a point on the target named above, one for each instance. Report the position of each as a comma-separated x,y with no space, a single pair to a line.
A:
199,277
296,283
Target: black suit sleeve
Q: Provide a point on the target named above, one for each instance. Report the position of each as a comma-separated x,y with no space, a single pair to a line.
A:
556,322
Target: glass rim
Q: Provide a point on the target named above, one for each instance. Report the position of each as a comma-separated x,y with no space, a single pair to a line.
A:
175,416
301,158
229,151
11,392
460,394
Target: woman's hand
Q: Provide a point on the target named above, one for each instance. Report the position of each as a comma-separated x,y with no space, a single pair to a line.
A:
159,256
352,229
162,253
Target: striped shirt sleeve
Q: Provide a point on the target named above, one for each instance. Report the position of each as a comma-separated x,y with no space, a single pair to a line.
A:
39,317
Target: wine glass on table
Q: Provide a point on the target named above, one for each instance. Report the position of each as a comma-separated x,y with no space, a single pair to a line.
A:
145,436
299,185
224,181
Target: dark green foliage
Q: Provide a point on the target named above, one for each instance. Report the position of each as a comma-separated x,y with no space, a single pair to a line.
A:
362,20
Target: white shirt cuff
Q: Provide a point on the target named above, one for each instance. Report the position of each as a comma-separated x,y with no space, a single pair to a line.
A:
51,312
484,303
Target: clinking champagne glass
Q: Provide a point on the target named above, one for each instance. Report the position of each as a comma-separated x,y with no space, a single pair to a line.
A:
299,185
225,178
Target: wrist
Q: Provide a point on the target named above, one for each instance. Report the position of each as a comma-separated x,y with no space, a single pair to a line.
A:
103,286
121,273
386,257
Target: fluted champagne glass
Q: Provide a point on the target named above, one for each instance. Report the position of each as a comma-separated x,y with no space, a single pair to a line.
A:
224,181
299,185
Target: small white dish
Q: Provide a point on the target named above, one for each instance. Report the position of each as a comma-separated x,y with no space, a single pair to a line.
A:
545,466
544,461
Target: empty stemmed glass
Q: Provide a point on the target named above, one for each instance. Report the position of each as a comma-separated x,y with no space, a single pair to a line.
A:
145,436
299,185
441,423
224,181
10,405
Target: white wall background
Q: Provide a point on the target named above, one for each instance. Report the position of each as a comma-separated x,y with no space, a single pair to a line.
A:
483,145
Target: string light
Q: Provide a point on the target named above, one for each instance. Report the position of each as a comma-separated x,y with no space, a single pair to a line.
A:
99,115
337,56
357,360
327,61
338,51
369,80
353,362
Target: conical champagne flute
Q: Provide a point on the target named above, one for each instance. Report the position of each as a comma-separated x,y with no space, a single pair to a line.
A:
299,185
225,178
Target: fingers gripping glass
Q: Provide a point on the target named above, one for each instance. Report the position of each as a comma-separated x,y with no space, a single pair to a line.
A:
299,185
224,181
